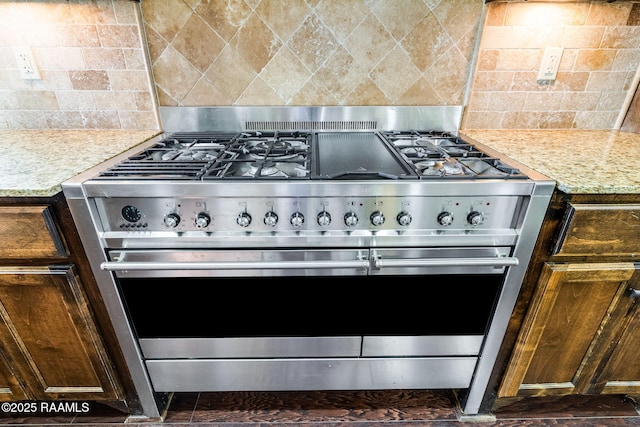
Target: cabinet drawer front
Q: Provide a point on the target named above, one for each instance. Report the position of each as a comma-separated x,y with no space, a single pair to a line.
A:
607,230
29,232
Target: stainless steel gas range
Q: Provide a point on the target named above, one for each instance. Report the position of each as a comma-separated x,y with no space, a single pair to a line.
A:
309,248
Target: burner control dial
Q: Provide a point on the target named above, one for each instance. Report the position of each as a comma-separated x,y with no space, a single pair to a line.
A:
350,219
297,219
324,218
243,219
271,219
203,220
172,220
475,218
445,218
404,218
377,218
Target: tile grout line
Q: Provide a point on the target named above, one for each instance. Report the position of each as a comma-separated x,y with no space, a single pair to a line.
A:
193,410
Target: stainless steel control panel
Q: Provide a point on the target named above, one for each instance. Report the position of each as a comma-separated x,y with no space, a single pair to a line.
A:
268,214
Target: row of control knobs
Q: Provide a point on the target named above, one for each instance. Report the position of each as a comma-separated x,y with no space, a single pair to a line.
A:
323,219
474,218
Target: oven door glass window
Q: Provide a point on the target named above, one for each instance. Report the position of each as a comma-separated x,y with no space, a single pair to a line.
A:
223,307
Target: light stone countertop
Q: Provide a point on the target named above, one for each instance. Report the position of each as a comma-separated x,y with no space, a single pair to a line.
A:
36,162
580,161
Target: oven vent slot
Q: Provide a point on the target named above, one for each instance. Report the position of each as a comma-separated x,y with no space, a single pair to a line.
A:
312,125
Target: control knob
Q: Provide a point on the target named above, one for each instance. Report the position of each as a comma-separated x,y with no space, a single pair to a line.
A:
445,218
172,220
131,213
404,218
324,218
350,219
297,219
271,219
203,220
243,219
377,218
475,218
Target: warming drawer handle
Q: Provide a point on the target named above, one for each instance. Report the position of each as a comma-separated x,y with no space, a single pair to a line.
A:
231,265
379,263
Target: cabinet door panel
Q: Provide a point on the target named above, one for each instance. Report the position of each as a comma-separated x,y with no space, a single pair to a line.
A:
570,307
10,387
621,374
49,322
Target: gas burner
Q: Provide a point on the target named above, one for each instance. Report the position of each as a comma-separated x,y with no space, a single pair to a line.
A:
265,169
432,144
275,149
450,168
269,169
178,153
420,152
452,147
278,169
190,155
274,146
441,168
490,168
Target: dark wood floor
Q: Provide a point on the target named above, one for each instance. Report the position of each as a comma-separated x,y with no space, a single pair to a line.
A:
351,409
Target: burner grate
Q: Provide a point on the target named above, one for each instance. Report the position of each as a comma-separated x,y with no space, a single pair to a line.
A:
156,170
183,156
436,154
269,155
304,155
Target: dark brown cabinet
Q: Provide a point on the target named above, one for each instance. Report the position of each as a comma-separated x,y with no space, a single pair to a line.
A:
50,344
575,306
576,327
48,333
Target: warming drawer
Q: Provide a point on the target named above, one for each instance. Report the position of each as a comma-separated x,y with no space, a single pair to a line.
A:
311,374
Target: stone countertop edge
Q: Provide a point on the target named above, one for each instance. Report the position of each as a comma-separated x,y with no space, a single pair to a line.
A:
35,163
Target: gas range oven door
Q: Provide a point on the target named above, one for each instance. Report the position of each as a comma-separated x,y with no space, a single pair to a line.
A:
287,320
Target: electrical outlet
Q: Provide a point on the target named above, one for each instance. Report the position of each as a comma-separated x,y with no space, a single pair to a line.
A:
26,63
550,64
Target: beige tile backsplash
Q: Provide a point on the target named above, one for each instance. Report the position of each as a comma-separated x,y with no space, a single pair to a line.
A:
317,52
91,61
601,56
311,52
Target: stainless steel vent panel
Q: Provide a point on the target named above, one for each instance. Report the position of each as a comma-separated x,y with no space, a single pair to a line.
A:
197,119
311,125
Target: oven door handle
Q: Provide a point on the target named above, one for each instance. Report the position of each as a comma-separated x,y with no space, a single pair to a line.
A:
231,265
378,262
